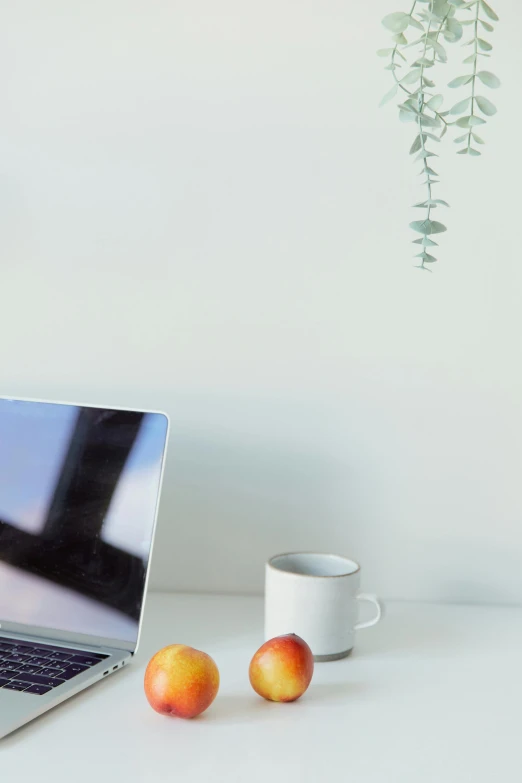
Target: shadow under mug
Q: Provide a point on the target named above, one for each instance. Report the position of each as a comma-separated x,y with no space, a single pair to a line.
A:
316,597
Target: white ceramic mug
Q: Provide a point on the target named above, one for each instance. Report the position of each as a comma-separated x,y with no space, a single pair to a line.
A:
315,596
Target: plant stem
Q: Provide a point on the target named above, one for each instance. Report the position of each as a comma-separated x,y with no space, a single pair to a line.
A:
419,121
475,52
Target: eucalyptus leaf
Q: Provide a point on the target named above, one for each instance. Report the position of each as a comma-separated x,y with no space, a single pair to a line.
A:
488,11
384,52
426,154
444,130
428,82
461,106
430,171
455,28
422,204
389,95
417,144
471,59
424,62
407,116
439,50
399,39
426,241
489,79
414,23
460,139
484,45
429,259
478,139
474,120
474,152
463,152
435,102
429,122
411,77
440,201
460,81
428,227
485,106
456,3
392,67
431,136
396,22
486,25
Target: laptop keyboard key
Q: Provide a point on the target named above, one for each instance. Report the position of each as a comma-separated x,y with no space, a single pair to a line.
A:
17,658
38,689
72,671
29,669
84,660
36,661
11,685
39,679
3,682
50,672
8,672
58,656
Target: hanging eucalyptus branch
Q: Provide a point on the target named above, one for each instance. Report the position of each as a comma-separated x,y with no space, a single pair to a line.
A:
421,102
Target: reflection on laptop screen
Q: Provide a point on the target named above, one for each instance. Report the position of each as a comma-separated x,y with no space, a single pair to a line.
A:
78,495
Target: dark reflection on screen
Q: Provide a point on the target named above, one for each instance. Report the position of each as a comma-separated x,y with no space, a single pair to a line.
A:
78,494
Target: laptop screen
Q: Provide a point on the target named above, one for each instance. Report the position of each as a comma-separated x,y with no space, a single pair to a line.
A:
78,495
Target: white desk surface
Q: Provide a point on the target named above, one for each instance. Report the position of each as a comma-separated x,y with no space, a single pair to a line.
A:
432,695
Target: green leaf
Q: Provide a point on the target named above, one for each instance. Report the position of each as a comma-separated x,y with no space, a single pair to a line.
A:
485,106
461,139
396,22
384,52
473,152
389,95
435,102
391,67
431,136
428,82
489,79
467,122
461,106
486,25
488,11
409,105
484,45
417,144
430,171
470,59
426,241
429,122
439,50
411,77
407,116
427,227
463,152
429,259
460,80
400,39
424,62
422,204
454,27
456,3
414,23
426,154
444,130
478,138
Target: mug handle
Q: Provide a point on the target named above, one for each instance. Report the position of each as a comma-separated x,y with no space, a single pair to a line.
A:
375,601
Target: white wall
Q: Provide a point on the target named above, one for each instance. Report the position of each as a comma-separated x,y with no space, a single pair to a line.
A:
202,209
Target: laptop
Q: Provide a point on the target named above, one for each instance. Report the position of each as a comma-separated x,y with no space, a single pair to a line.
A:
79,493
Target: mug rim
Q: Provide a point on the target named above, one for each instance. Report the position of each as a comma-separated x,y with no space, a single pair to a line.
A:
271,565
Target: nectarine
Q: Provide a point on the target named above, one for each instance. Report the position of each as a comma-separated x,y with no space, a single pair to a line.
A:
282,668
181,681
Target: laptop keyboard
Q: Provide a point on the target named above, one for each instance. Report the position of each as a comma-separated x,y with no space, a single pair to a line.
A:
38,668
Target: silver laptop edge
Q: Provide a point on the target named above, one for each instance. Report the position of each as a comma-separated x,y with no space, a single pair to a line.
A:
18,708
